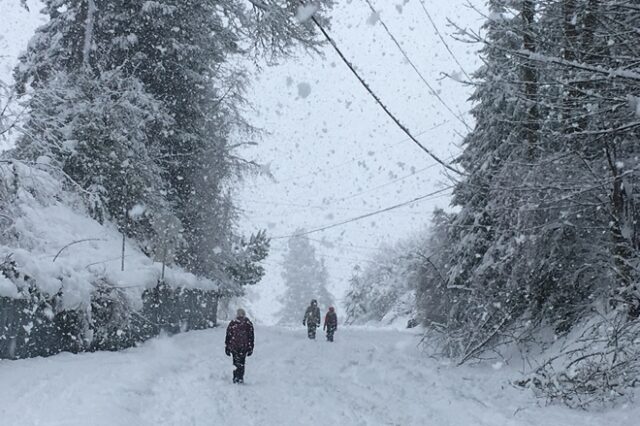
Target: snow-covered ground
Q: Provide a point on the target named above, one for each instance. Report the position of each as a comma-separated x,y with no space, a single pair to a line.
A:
367,377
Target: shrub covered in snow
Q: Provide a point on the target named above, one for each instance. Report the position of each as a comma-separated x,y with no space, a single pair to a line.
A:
596,364
384,290
62,286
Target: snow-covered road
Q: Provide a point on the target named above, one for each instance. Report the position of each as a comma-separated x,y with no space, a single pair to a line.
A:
367,377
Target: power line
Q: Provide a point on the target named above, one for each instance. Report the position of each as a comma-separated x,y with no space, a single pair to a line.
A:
330,244
353,160
365,216
378,100
400,179
415,68
332,205
435,27
326,256
349,246
383,185
326,209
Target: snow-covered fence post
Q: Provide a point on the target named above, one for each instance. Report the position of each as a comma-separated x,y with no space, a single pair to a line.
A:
133,214
127,215
124,240
164,261
168,231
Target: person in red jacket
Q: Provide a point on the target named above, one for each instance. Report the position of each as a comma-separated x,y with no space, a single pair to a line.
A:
239,343
331,323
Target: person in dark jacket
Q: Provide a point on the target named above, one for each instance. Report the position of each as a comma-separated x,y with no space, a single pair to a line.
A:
239,343
312,319
331,323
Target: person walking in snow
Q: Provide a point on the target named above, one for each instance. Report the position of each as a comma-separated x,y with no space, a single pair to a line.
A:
312,319
239,343
331,323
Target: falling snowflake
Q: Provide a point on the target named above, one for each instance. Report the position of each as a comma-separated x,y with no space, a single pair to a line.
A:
304,90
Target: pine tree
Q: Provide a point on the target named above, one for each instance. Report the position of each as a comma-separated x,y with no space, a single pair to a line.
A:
435,298
547,227
96,130
401,279
484,233
305,278
165,71
355,299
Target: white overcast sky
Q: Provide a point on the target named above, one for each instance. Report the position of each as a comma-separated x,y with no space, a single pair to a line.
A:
332,152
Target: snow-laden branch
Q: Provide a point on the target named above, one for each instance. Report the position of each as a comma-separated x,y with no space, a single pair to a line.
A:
611,72
75,242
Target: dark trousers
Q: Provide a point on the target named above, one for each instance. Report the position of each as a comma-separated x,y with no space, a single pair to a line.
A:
330,331
239,359
311,331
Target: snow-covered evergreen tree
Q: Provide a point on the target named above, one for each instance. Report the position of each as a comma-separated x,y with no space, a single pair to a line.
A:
139,103
96,129
305,278
547,228
484,234
384,289
6,122
134,109
405,282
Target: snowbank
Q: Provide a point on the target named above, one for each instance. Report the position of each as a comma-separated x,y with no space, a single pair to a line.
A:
47,231
61,283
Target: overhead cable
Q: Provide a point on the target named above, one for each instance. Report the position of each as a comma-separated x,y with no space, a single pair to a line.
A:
379,101
367,215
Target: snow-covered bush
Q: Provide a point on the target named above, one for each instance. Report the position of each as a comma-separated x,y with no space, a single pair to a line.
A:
62,286
405,283
381,292
597,363
384,290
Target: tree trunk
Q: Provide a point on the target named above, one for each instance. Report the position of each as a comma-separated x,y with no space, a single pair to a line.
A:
622,250
570,30
529,77
88,32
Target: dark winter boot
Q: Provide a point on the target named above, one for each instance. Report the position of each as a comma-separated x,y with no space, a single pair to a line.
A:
239,359
240,375
330,333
